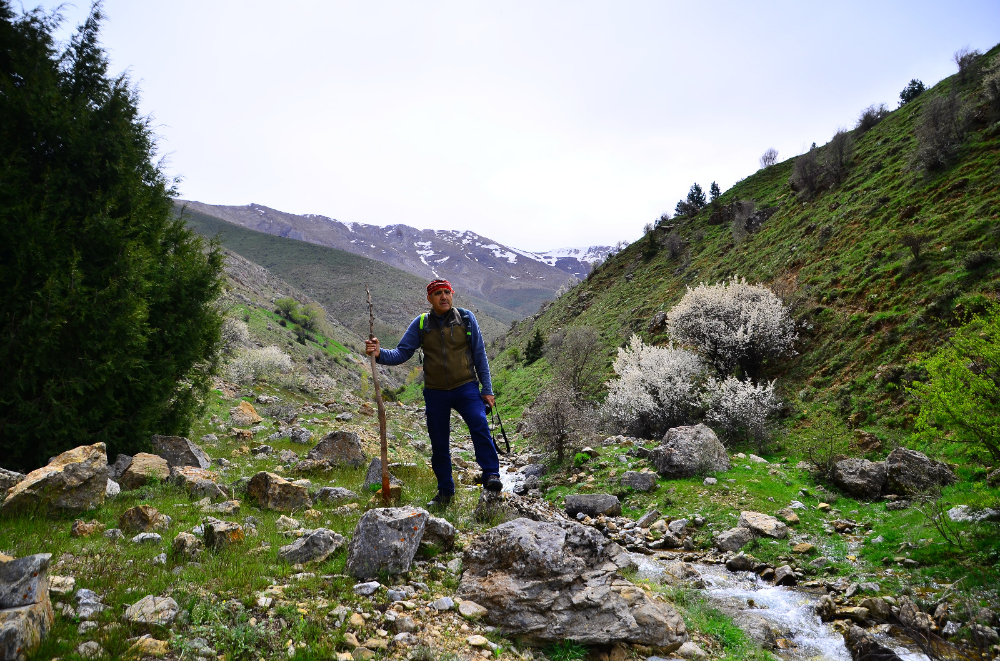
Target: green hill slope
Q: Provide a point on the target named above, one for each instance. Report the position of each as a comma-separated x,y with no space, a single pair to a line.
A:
337,280
868,306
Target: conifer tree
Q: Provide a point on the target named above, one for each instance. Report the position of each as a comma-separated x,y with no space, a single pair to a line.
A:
535,347
714,191
108,330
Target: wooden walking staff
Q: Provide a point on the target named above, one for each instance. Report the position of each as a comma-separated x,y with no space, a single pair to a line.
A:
381,406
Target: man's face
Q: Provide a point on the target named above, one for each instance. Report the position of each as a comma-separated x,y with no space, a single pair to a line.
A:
440,300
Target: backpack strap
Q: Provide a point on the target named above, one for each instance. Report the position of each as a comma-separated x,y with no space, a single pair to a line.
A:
466,323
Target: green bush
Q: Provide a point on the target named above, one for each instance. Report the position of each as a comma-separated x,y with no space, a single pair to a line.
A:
580,458
109,332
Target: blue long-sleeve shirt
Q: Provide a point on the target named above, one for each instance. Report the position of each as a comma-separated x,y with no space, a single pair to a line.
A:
410,342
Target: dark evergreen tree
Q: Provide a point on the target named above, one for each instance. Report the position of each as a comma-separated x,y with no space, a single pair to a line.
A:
535,347
714,191
912,90
108,330
696,197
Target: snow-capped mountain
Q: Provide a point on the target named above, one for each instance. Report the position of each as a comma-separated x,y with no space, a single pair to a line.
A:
518,280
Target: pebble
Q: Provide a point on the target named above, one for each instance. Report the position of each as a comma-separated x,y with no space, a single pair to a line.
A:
478,641
824,507
147,538
362,654
160,559
351,640
709,481
114,534
367,589
443,604
356,620
455,565
90,650
471,610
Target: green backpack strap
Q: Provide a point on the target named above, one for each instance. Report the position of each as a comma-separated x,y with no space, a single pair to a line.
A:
466,323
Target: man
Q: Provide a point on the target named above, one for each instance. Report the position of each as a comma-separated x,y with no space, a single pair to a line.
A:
454,367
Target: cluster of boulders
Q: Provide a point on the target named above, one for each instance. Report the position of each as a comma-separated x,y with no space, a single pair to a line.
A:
903,473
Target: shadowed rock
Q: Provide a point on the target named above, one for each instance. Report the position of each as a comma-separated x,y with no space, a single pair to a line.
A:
860,478
638,481
689,451
385,541
593,505
26,615
197,482
179,451
373,478
340,448
314,547
910,472
274,492
733,539
144,468
546,582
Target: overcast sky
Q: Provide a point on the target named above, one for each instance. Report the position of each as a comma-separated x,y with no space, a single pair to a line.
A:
538,124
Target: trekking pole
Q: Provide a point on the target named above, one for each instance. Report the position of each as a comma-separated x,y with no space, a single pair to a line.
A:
381,406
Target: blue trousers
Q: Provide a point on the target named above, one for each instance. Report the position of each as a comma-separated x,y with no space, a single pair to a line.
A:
469,404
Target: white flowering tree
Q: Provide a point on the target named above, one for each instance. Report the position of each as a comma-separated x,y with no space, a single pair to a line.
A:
251,364
657,388
734,326
741,408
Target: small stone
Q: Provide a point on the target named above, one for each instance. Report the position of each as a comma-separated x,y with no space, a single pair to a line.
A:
61,584
367,589
709,481
405,639
148,646
784,576
362,654
160,559
790,517
406,624
90,650
690,650
470,610
824,507
443,604
147,538
804,547
143,518
356,621
454,565
152,611
83,528
286,523
222,534
478,641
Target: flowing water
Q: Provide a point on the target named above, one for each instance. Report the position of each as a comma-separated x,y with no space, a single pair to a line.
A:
788,610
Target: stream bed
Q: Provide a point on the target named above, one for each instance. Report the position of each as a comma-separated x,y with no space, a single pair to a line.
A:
788,610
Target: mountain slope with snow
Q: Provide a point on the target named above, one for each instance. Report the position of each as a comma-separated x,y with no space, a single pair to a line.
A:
515,279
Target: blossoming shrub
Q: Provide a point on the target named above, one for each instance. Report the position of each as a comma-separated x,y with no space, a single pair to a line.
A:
741,408
252,364
657,388
735,326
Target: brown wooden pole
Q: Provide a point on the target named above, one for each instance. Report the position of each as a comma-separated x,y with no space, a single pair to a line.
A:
381,407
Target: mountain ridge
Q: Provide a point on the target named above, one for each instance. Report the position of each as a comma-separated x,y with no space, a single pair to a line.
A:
516,279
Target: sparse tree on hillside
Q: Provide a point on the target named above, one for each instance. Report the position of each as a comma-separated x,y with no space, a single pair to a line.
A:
534,349
694,203
578,359
966,60
991,84
109,332
714,191
838,157
912,90
915,242
557,416
807,174
734,326
940,132
769,158
870,117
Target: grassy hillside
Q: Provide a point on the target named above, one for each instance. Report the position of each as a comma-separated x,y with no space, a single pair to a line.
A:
337,279
868,307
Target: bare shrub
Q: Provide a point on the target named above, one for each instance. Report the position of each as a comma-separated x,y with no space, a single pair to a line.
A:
915,242
733,325
940,132
991,84
251,364
807,174
742,212
742,409
977,258
557,418
769,158
657,388
235,335
674,245
838,157
871,116
966,60
578,358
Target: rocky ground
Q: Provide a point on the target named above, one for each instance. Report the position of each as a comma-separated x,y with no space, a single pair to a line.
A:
264,539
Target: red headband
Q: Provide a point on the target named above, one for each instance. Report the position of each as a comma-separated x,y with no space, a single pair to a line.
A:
439,284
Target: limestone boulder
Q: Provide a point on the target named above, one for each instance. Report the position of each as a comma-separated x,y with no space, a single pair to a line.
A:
143,518
373,478
385,541
74,481
152,612
593,505
221,535
273,492
689,451
244,415
545,582
197,482
26,615
144,468
7,480
763,525
909,472
179,451
733,539
638,481
314,547
860,478
340,448
334,494
187,546
122,462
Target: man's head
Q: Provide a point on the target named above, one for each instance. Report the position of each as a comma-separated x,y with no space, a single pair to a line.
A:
439,295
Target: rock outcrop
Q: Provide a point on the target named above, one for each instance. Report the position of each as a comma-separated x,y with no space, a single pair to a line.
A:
244,415
910,472
638,481
340,448
144,468
860,478
143,518
546,582
385,541
74,481
273,492
763,525
689,451
179,451
7,480
197,482
25,611
733,539
593,505
314,547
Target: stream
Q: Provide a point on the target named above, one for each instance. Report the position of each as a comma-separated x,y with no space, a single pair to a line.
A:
789,610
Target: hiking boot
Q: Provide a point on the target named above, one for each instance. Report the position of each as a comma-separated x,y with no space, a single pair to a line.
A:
440,500
493,483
